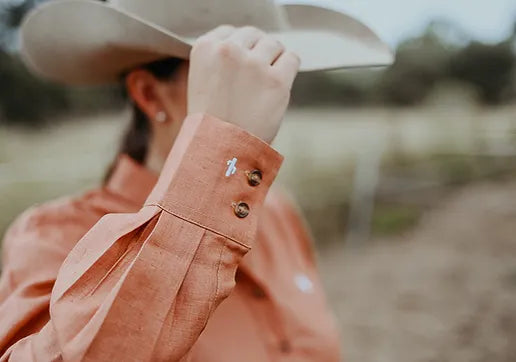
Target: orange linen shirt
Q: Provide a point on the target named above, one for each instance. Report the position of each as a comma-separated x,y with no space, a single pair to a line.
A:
153,269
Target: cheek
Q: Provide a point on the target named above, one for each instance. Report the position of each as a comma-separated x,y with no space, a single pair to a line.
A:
177,104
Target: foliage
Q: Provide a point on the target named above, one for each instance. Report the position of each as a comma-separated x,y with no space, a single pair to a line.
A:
324,89
489,68
441,54
24,98
420,64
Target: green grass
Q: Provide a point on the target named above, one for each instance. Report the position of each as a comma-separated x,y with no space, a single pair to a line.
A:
394,219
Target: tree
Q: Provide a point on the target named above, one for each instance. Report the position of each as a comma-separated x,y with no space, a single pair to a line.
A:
18,88
490,68
420,63
11,16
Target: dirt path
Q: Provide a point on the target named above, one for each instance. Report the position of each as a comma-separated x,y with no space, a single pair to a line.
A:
444,292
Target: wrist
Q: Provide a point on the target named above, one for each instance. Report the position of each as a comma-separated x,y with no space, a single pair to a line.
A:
256,129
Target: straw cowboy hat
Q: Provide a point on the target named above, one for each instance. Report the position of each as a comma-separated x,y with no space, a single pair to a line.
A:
93,42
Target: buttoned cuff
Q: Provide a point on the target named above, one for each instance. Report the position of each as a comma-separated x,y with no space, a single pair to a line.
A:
217,176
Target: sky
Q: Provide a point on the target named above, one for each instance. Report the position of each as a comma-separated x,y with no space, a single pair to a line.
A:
395,20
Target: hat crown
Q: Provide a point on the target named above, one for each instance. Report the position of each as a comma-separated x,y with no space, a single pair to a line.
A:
194,17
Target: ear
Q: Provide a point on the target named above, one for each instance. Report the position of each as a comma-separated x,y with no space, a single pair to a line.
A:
144,89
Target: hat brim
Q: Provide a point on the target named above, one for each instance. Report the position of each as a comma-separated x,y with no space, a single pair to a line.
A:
89,42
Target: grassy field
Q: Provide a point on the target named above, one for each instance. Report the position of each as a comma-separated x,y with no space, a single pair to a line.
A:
419,149
436,279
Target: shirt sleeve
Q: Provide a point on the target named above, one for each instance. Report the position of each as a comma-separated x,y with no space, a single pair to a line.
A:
142,286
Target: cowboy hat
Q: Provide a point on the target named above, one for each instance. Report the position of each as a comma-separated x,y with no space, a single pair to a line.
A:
93,42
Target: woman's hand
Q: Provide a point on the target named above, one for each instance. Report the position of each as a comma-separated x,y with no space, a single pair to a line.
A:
242,76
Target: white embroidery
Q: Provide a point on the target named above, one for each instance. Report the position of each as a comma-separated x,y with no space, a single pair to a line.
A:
304,283
231,167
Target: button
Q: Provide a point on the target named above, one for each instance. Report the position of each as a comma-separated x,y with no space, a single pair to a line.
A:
285,346
254,177
241,209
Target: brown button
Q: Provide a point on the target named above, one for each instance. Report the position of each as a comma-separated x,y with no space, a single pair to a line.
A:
254,177
285,346
241,209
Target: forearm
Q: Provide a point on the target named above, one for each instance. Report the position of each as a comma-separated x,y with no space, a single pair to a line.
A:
143,285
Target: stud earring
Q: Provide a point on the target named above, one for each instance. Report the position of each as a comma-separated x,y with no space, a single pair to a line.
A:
161,117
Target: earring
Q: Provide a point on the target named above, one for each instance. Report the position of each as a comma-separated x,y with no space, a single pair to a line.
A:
161,117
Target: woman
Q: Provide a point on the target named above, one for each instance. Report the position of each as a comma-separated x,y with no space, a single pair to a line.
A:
154,265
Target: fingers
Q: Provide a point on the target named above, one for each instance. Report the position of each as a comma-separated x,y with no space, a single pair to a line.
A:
263,47
288,65
268,49
246,37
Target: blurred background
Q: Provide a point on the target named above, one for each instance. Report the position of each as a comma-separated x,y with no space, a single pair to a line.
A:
406,175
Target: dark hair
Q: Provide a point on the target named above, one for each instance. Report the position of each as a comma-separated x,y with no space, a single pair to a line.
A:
135,142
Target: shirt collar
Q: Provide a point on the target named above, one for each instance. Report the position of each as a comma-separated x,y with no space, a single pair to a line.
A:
131,180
